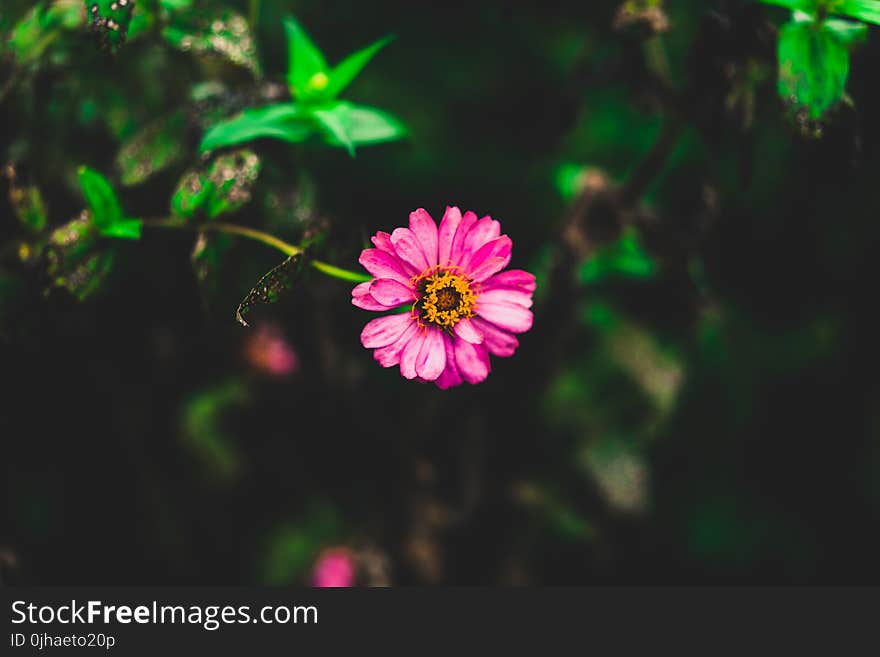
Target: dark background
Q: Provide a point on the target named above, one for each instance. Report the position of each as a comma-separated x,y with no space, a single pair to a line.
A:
718,421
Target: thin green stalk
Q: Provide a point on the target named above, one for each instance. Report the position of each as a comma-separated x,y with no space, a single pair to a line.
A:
343,274
265,238
258,235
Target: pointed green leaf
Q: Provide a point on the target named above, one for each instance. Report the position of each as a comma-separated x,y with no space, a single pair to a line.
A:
126,229
271,286
849,33
307,68
106,210
100,197
348,69
813,66
284,121
335,122
808,6
865,10
349,125
368,125
153,148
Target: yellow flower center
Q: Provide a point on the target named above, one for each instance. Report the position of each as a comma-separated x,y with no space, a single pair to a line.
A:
444,298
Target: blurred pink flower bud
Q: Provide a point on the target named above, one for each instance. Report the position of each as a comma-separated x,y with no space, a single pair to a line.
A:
335,567
267,351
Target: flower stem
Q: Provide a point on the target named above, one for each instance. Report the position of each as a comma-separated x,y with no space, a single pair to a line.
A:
265,238
258,235
337,272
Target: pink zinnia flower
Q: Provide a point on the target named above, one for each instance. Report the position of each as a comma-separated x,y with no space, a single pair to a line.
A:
335,567
461,308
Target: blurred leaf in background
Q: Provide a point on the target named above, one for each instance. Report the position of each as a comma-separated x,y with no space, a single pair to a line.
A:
204,429
291,548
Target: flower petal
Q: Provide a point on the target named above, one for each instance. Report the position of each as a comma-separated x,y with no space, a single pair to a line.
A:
472,361
467,331
450,376
509,316
448,226
409,249
361,297
431,360
513,278
390,356
491,258
485,230
423,227
410,354
384,265
391,292
383,331
382,241
498,341
457,249
508,296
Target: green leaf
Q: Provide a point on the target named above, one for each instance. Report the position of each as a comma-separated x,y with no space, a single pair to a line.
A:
172,6
226,36
624,258
126,229
348,69
41,26
349,125
109,20
224,188
808,6
100,197
106,210
335,122
307,67
284,121
368,125
27,203
813,65
271,286
849,33
152,149
73,260
191,193
231,176
203,427
865,10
